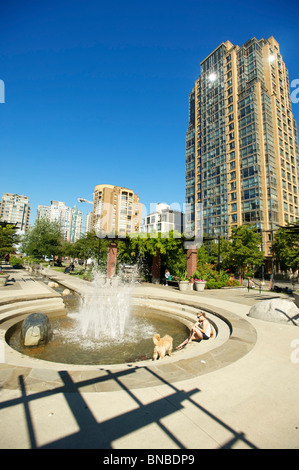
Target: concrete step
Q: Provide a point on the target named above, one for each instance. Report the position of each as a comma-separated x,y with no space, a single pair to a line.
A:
13,305
51,307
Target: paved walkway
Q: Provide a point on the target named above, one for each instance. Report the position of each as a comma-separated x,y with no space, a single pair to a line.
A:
243,396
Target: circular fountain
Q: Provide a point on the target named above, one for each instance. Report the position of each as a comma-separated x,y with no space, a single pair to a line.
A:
105,327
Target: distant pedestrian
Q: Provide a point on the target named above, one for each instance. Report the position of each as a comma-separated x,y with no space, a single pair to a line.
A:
167,277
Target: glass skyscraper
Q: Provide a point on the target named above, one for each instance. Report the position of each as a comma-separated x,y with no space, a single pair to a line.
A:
241,142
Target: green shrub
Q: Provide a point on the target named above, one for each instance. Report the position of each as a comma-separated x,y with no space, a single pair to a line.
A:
232,283
215,284
208,272
15,261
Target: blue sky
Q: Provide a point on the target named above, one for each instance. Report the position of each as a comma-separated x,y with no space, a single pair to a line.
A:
97,92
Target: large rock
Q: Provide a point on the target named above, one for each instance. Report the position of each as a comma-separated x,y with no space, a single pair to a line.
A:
36,329
66,292
277,311
53,284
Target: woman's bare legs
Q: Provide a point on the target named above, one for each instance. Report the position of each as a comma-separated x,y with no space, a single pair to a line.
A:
195,334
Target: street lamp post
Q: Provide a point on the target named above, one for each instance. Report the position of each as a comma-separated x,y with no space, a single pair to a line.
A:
219,255
81,199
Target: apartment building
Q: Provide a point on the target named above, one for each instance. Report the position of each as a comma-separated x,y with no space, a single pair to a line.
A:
75,224
88,222
70,219
242,142
163,220
43,212
116,210
15,209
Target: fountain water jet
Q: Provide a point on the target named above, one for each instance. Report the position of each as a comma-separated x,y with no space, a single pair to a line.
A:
105,308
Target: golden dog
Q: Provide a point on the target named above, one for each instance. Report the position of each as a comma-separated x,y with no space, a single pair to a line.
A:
163,346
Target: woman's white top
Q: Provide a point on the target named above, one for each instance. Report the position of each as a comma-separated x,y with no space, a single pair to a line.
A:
208,330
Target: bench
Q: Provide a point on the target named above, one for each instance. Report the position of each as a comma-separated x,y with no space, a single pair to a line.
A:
173,283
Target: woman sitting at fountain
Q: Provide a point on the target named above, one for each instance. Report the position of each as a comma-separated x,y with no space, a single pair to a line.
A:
200,330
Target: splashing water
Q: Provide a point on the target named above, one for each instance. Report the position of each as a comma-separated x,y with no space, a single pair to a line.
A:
105,308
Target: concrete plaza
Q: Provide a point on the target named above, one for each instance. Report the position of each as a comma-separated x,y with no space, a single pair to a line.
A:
243,394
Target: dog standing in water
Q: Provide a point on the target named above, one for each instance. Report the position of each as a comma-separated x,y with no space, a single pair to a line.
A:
163,346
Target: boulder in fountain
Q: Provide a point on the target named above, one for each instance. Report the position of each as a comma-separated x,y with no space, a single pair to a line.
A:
52,284
66,292
36,329
277,311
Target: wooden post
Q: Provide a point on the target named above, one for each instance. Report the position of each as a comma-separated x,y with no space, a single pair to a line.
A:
156,268
191,262
111,264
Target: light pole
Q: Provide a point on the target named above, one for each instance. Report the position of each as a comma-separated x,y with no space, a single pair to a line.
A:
81,199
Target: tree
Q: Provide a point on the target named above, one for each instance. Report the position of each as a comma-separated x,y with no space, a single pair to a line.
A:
245,248
212,247
8,239
286,248
89,246
142,247
43,239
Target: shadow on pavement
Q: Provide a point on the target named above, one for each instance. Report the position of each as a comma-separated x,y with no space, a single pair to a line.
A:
101,435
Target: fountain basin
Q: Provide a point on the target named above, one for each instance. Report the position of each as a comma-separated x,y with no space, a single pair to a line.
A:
174,311
69,345
236,336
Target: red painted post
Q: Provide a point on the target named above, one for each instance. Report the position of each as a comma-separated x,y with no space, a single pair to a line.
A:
191,261
111,264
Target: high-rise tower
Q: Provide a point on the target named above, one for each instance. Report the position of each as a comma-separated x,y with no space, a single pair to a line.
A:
242,142
70,219
116,210
15,209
